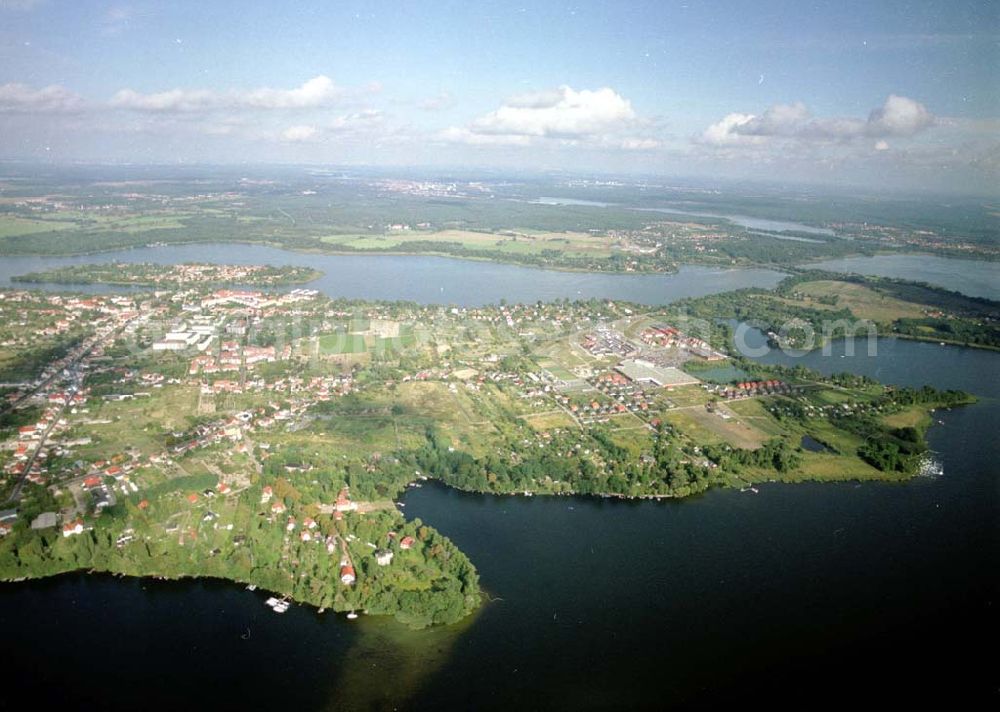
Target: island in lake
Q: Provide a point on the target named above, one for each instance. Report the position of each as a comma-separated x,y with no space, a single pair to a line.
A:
265,438
176,276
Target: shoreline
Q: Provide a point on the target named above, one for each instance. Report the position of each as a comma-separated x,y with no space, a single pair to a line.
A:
484,596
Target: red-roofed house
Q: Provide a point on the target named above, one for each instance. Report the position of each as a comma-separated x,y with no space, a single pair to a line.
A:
406,542
92,481
73,528
347,575
192,498
344,503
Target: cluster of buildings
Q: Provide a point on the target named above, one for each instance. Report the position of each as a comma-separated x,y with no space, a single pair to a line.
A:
189,274
232,357
605,341
669,337
745,389
648,373
256,300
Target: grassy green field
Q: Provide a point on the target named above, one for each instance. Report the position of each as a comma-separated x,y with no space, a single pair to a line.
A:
12,225
864,302
509,241
342,344
706,427
907,418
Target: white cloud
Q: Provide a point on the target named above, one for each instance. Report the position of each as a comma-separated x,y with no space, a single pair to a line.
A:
640,144
20,98
456,134
725,132
561,113
881,145
597,119
358,121
345,126
299,134
898,116
317,92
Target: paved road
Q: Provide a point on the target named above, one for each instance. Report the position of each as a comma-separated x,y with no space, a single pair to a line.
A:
19,486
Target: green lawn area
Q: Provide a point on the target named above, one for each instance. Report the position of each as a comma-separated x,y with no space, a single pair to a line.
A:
549,420
141,223
194,483
705,427
406,338
576,244
864,302
912,417
342,344
829,466
12,225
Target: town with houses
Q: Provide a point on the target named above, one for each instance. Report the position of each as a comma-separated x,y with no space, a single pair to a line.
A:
267,436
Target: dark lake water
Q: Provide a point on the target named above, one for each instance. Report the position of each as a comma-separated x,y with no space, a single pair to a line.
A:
453,281
834,592
752,223
977,279
437,280
744,220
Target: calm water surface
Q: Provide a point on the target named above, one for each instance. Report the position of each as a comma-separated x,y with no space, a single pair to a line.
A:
751,222
977,279
436,280
838,590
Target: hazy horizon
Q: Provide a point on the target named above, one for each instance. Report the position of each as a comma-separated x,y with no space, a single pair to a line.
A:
897,96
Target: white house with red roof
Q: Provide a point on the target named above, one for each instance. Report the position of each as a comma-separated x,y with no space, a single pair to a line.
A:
344,503
73,528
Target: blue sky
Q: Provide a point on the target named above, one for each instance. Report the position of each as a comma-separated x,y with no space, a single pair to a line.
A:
694,88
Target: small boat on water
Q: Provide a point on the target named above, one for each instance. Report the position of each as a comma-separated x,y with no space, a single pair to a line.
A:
277,605
351,616
251,587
